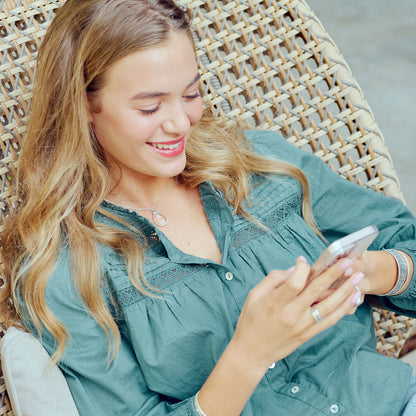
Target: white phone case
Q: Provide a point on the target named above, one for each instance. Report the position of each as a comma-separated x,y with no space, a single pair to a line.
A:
351,246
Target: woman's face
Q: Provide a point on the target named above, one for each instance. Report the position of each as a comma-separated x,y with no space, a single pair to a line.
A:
145,113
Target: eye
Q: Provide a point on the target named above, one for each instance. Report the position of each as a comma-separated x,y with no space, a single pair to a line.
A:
150,111
192,96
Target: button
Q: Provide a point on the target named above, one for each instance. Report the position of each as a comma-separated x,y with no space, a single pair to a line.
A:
295,389
334,408
229,276
271,366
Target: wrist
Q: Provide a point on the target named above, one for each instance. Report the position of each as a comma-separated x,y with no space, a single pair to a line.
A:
404,272
198,407
248,360
380,270
221,395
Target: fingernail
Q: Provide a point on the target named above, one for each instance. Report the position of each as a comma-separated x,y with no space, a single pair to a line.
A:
290,271
348,272
356,299
302,258
357,279
345,265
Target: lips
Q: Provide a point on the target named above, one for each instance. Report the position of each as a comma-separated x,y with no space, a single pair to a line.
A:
166,146
169,149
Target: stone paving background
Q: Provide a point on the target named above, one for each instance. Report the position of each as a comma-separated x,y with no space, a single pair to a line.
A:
378,40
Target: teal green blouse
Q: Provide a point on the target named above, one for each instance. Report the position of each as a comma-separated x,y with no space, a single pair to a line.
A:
171,343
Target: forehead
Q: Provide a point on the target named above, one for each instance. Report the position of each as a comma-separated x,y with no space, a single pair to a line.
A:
163,66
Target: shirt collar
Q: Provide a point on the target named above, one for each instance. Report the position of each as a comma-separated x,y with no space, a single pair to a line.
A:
218,212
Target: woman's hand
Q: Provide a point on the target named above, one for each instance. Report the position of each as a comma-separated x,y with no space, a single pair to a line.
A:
380,270
277,316
275,320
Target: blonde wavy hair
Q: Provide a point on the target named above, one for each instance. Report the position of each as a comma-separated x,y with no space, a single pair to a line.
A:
62,172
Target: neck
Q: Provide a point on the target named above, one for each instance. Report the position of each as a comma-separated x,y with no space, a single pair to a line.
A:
143,194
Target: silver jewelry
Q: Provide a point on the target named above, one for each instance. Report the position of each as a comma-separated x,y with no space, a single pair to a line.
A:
158,218
198,407
315,313
403,271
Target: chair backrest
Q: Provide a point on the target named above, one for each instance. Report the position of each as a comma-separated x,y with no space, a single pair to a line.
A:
35,385
268,62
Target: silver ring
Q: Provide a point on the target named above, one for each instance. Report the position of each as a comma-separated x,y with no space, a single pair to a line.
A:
360,300
315,313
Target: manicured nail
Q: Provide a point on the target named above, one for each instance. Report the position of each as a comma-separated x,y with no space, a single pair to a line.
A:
358,278
302,258
357,298
345,265
348,272
290,271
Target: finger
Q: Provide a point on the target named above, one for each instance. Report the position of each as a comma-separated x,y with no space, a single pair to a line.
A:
346,298
346,308
296,282
272,281
356,281
358,298
325,280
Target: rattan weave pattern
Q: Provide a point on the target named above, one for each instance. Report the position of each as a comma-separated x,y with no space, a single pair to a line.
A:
22,26
268,62
391,330
273,64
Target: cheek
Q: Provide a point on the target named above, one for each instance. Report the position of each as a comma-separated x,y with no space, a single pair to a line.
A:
196,111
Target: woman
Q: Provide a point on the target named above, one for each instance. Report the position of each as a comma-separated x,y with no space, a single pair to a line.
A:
162,256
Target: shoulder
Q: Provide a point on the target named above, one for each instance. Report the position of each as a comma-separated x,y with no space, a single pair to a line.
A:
62,288
273,145
261,138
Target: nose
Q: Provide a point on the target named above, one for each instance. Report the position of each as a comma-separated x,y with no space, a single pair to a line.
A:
177,120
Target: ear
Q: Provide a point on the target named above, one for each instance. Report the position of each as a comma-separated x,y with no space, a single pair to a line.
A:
89,115
93,107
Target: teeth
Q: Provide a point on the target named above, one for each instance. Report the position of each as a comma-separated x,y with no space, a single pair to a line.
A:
165,146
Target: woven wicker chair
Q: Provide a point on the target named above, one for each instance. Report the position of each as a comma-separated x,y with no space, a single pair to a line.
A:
268,62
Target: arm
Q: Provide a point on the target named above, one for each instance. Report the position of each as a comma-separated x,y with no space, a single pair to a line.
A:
341,207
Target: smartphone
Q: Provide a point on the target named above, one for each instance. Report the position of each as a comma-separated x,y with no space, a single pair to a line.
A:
351,246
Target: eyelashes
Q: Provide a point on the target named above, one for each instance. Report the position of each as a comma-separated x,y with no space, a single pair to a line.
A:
191,97
155,109
149,112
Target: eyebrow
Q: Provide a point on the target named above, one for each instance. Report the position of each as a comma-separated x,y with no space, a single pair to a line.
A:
153,94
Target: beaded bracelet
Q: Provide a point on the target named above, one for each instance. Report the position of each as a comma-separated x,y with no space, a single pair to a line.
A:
198,407
403,272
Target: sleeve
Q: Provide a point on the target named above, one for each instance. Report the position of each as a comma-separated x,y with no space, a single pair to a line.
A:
341,207
97,386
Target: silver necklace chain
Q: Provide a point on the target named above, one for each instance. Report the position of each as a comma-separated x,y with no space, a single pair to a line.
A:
158,218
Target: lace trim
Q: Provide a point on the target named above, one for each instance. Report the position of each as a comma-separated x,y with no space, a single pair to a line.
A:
130,295
253,231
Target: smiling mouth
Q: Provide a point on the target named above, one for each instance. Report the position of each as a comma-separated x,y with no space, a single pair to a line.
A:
167,146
